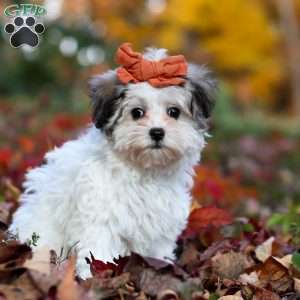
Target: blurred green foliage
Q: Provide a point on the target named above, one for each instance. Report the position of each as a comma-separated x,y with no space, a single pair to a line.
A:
46,72
234,121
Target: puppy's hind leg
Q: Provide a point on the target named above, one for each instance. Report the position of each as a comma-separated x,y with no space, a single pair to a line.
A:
38,227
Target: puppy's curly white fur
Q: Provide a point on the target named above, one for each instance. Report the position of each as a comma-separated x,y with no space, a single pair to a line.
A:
124,184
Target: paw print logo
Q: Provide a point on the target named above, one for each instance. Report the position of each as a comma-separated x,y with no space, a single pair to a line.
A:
24,32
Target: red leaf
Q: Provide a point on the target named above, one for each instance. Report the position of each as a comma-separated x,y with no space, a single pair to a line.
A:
214,189
64,122
120,264
203,217
6,155
26,144
98,266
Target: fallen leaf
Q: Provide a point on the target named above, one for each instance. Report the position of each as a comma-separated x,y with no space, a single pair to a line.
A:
156,264
251,278
68,288
43,281
141,296
12,189
230,265
98,266
109,286
192,288
5,215
167,295
285,261
264,251
247,291
26,144
10,274
263,294
6,155
189,257
40,261
12,257
136,261
12,250
273,273
64,121
282,246
209,216
297,285
223,245
231,297
153,283
22,288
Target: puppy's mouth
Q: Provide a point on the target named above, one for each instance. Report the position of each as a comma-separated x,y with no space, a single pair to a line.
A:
156,145
154,155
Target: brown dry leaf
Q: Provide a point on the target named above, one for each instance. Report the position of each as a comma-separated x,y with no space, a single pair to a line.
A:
42,280
58,270
230,265
12,257
192,288
110,283
141,296
282,246
152,283
167,295
68,288
231,297
13,190
204,295
189,256
105,286
263,294
12,250
297,285
214,249
273,273
22,288
10,272
247,291
5,214
285,261
251,278
40,261
264,250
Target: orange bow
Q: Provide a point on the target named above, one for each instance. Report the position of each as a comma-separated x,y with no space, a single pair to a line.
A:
134,68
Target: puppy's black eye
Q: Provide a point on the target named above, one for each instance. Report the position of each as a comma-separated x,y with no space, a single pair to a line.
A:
137,113
173,112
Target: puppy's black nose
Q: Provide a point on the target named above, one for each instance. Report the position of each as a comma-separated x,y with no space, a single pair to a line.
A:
157,134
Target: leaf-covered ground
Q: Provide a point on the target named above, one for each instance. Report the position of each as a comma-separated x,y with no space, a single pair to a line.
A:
234,247
219,257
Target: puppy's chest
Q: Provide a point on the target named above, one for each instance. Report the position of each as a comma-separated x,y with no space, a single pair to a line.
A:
148,205
135,204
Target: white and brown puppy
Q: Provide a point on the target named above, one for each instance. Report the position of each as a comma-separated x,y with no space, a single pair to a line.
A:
124,184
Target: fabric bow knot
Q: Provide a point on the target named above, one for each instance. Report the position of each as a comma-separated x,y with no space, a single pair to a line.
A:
134,68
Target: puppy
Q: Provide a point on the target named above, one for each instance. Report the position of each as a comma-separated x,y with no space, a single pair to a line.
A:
124,184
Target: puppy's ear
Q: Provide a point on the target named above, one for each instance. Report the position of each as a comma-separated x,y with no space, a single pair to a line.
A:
106,92
203,88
